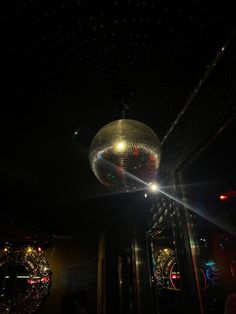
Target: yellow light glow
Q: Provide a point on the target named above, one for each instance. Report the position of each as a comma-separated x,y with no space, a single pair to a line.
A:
120,147
5,249
154,187
29,250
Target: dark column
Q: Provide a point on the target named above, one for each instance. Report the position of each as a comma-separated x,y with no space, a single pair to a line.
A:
187,248
124,284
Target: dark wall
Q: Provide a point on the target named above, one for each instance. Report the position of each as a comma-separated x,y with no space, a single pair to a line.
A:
74,280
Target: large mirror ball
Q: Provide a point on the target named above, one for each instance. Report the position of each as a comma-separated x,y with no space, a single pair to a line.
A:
125,155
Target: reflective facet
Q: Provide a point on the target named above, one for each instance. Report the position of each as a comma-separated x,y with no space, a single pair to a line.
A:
125,155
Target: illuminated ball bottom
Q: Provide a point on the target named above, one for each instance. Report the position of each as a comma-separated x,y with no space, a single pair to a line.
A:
125,154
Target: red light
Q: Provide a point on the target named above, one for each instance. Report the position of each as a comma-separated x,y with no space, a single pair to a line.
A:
223,197
175,276
34,281
135,151
152,158
45,279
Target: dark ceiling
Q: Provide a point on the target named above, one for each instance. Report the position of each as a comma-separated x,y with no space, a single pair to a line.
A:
70,66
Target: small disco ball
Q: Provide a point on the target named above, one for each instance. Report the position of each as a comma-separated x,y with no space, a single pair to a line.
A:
125,155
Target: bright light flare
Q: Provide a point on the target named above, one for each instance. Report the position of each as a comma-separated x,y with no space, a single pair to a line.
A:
29,250
120,147
154,187
223,197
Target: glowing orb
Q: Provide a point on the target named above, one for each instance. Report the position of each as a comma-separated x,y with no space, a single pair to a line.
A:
125,155
154,187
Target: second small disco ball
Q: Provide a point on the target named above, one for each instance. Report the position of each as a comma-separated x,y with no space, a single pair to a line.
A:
125,154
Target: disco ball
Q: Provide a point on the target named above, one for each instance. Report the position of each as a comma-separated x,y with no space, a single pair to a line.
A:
125,155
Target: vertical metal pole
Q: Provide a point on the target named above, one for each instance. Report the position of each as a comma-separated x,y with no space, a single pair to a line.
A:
186,247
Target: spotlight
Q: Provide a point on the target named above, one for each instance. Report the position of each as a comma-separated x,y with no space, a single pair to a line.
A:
154,187
29,250
120,147
223,197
